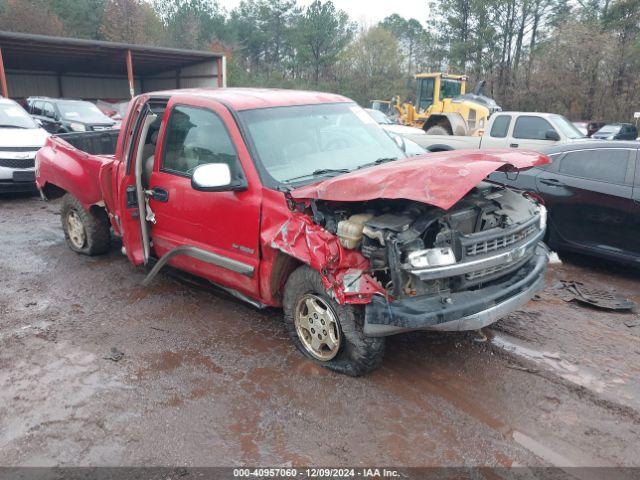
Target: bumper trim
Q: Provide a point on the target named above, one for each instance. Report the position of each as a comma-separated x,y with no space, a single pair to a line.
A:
468,311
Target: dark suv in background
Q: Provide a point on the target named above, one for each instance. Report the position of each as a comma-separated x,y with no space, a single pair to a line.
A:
59,115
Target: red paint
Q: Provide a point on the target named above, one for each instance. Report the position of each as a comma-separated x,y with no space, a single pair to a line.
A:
249,98
439,179
256,226
63,165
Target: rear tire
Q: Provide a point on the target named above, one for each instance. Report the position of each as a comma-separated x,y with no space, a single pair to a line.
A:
437,130
355,354
86,232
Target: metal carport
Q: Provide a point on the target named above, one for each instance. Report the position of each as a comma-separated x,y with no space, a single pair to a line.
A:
32,65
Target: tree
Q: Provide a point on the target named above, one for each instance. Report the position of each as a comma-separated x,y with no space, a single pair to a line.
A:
323,32
264,31
81,19
191,23
370,66
30,16
132,21
409,34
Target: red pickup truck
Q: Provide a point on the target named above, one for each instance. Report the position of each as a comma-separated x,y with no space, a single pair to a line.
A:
300,200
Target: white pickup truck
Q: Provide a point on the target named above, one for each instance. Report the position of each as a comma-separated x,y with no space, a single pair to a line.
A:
529,130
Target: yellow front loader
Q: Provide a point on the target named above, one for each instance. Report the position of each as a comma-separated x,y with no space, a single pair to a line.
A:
443,107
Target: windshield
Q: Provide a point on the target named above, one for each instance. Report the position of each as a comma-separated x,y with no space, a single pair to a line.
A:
379,116
82,112
294,142
13,115
567,128
610,129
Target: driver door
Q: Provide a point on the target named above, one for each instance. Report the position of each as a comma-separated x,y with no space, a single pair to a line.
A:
222,223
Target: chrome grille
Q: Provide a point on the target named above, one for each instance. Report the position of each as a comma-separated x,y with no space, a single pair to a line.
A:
17,162
500,242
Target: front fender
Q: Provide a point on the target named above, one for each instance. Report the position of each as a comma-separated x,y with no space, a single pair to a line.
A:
344,272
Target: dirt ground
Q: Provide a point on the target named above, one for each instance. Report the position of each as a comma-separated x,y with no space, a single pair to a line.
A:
206,380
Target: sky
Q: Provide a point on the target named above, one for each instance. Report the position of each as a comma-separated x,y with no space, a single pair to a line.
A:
367,12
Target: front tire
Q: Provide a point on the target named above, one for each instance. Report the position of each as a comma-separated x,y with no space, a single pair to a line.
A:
86,232
328,333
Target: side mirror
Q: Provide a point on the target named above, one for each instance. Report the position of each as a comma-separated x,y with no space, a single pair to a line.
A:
214,177
551,134
38,121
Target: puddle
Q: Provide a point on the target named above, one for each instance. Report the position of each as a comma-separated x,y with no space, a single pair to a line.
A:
546,453
564,368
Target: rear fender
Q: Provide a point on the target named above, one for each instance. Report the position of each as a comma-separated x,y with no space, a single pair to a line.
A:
60,164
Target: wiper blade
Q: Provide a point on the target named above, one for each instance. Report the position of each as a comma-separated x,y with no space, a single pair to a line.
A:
12,126
317,173
379,161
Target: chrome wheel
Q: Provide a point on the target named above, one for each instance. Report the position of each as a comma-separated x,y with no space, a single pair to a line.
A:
317,327
75,229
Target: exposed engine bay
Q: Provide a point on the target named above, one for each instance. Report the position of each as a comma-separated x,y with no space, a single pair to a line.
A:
416,249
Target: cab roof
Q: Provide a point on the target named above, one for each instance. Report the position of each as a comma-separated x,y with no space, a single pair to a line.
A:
253,98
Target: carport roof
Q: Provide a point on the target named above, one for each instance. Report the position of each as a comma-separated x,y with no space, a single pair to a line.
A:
25,51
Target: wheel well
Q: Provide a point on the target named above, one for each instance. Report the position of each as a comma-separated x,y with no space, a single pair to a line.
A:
98,211
439,148
51,191
437,120
283,266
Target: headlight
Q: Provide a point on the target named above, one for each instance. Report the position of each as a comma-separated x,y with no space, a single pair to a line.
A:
77,127
432,257
543,216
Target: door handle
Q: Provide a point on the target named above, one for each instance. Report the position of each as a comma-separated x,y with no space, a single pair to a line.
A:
158,194
553,182
514,145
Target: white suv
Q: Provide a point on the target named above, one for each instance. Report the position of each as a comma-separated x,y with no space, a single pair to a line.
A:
20,138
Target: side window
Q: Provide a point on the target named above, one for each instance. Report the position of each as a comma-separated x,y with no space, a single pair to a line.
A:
196,136
47,110
426,93
605,165
37,108
532,128
500,126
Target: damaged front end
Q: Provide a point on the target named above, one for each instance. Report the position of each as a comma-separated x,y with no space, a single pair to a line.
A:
417,266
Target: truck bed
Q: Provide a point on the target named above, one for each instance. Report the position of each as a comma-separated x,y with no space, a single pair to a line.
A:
94,143
73,162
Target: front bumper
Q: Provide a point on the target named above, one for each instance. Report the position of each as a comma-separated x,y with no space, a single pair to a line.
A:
17,180
466,310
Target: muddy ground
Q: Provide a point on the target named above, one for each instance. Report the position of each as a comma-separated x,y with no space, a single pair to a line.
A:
207,380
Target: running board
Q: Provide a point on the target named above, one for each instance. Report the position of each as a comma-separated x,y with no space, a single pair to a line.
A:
199,254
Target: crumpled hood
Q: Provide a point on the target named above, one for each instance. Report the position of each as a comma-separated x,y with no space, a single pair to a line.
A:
439,179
